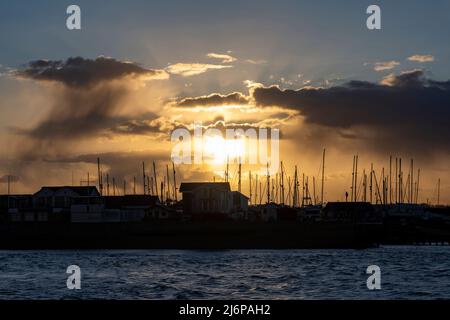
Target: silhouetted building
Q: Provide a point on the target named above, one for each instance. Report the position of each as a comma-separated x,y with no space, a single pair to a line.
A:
15,201
240,202
206,197
200,198
62,197
350,212
127,208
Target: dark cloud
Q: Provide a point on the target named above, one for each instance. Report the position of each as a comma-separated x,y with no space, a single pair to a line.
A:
81,72
91,101
152,124
214,100
404,99
136,127
405,112
79,113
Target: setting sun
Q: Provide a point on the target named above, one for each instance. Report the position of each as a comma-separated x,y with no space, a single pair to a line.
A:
218,150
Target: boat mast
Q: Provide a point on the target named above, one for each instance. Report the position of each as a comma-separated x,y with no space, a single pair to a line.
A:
412,180
353,179
295,199
439,191
417,186
226,170
239,175
314,190
282,183
390,179
396,180
154,178
107,184
174,183
356,178
143,177
256,189
99,177
400,181
323,177
168,182
250,185
371,182
268,183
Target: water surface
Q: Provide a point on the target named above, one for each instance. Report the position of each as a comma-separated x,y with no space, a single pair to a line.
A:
407,272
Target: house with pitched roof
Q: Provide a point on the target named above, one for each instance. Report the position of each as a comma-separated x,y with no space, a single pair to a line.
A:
211,198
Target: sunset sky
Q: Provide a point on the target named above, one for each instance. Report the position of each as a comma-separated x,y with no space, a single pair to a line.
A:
139,69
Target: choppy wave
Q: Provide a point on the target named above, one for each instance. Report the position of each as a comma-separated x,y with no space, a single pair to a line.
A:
406,273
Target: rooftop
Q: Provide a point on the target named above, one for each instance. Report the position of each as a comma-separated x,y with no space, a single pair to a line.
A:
81,190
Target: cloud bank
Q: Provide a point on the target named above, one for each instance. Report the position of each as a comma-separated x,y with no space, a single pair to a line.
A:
388,65
226,58
421,58
89,99
193,69
214,99
404,112
79,72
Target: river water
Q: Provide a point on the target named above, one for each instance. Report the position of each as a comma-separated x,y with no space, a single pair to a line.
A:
407,272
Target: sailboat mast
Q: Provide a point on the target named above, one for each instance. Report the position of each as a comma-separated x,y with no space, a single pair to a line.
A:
417,186
174,182
356,178
323,177
239,175
268,183
371,183
412,180
314,190
353,179
250,185
168,182
256,189
390,179
439,191
99,177
282,183
143,177
295,196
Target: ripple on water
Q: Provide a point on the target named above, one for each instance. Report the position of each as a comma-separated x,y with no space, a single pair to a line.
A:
407,273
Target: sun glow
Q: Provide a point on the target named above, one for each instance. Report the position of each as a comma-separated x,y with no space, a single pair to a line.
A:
219,150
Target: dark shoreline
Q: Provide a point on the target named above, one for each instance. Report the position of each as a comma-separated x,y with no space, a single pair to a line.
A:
189,235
